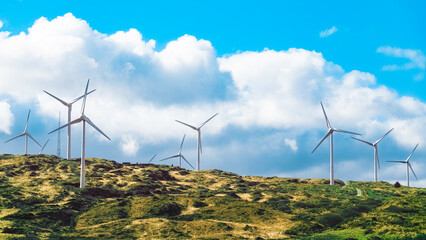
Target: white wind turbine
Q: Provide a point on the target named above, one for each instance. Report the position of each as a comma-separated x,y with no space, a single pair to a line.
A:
376,152
408,166
69,106
179,155
198,129
41,151
330,132
26,134
83,118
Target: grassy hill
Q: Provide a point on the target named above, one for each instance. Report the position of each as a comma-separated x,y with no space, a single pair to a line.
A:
40,199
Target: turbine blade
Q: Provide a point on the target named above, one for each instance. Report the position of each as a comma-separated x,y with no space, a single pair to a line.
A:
174,156
377,157
363,141
397,161
28,118
344,131
413,171
60,100
322,140
43,146
186,161
199,141
83,106
412,153
183,139
20,135
66,125
29,135
325,115
383,137
186,124
152,158
208,120
94,126
82,96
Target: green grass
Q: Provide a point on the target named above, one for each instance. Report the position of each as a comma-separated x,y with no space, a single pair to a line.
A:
40,199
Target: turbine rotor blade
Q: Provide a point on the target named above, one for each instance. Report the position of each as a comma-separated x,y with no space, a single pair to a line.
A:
363,141
60,100
82,96
20,135
330,131
43,146
183,139
344,131
186,124
377,156
83,106
174,156
94,126
413,171
397,161
68,124
152,158
186,161
412,153
383,137
28,118
208,120
325,115
29,135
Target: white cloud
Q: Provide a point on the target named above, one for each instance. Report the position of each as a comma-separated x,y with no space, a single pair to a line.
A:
328,32
1,24
141,91
417,60
291,143
6,117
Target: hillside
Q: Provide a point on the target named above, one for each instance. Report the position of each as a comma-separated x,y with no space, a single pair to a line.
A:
40,199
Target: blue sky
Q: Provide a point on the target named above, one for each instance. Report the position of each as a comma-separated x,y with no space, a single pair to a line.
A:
264,66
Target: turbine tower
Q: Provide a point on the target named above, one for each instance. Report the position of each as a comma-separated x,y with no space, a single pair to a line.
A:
408,166
179,155
69,106
41,151
26,134
198,129
330,132
58,150
83,118
376,152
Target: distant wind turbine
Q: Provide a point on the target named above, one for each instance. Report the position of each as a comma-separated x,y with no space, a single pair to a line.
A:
330,133
41,151
69,106
26,134
408,165
179,155
198,129
152,158
376,152
83,118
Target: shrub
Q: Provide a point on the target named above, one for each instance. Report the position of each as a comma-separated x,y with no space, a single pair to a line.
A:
329,220
199,204
397,185
280,204
166,210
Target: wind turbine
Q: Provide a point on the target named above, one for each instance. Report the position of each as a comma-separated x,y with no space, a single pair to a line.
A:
83,118
69,106
330,132
376,153
408,166
179,155
152,158
198,129
41,151
26,134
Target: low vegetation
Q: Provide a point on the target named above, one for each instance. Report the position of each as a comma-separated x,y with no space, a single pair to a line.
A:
40,199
